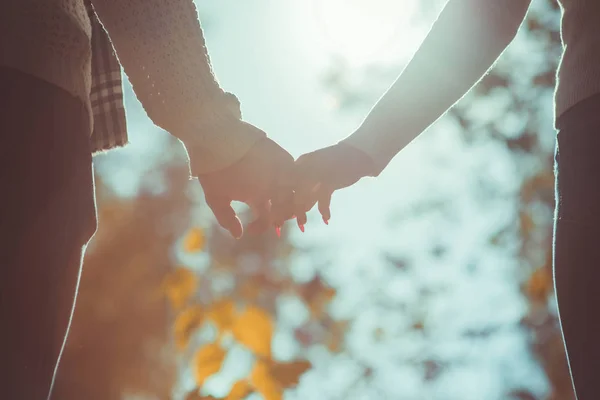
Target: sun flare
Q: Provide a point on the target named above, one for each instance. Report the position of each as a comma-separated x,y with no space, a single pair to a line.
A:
362,31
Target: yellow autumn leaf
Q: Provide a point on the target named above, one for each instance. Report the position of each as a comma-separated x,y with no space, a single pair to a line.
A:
179,286
222,314
194,240
253,328
263,382
186,323
239,390
288,375
208,361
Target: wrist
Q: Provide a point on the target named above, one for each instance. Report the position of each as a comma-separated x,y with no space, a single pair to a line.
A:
214,136
221,144
370,154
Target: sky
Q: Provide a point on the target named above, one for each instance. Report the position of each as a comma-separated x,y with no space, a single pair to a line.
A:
272,55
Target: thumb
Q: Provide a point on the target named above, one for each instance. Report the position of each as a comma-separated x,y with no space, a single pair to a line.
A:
225,215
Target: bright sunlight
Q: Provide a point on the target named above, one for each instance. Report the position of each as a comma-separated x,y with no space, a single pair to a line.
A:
366,31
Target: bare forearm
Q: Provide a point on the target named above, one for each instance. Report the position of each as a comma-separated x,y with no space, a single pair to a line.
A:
462,45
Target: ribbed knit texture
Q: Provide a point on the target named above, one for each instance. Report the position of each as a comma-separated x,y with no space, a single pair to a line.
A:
161,48
49,39
579,71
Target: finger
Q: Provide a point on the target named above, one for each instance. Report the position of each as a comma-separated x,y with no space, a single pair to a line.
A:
305,189
324,204
282,208
281,190
226,216
305,197
282,202
262,211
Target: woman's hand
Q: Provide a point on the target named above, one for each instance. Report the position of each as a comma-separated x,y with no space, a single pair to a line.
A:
318,174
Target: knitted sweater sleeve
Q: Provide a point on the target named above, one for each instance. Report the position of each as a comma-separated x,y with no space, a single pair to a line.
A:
161,48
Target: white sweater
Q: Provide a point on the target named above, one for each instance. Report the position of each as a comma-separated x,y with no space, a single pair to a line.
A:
161,48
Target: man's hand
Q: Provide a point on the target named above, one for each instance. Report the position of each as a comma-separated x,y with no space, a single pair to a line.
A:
318,174
260,179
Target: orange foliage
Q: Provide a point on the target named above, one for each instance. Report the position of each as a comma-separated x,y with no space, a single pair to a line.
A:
186,323
264,383
254,329
540,284
119,342
194,240
179,286
208,361
288,374
248,324
244,313
222,314
239,390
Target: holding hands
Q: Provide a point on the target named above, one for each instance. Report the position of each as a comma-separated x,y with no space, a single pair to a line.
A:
278,189
259,179
318,174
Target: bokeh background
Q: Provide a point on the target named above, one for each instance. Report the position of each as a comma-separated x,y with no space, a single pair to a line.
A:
432,282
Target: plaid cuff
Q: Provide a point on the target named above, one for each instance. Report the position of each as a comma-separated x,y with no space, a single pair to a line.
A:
106,94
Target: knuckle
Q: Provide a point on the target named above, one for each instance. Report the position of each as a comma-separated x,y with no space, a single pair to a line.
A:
303,160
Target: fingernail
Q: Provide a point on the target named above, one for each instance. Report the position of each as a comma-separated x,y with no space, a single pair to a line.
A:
301,227
278,231
326,221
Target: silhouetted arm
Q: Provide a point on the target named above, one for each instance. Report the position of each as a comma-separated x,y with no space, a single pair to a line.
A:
462,45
